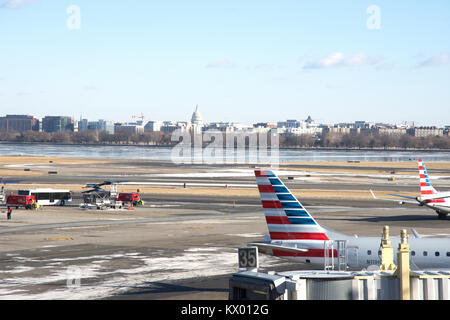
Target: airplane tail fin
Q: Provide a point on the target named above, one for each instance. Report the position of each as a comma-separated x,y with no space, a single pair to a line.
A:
286,217
425,185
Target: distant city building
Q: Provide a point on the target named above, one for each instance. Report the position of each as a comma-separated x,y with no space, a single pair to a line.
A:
83,124
104,125
93,126
270,125
167,127
425,132
299,127
363,125
391,131
264,127
57,124
196,124
224,126
170,126
153,126
289,124
337,129
100,125
304,130
131,128
309,120
447,130
18,123
197,117
239,127
50,124
344,125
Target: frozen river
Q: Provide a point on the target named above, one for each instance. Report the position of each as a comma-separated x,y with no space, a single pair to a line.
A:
165,153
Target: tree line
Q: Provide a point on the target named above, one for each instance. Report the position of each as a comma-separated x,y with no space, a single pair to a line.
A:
325,140
88,137
375,141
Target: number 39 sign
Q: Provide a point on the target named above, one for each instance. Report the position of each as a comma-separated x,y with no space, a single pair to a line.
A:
248,257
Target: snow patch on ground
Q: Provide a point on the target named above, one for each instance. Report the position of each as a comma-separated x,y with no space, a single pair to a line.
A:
193,262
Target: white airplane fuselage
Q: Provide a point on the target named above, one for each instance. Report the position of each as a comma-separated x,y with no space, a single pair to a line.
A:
294,234
439,207
363,252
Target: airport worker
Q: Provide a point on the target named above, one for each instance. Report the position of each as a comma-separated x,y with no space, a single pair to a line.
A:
8,214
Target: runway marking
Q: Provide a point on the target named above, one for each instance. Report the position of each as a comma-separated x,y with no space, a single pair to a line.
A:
200,227
84,227
58,239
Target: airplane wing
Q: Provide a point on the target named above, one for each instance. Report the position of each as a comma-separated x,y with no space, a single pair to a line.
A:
89,191
402,196
415,233
8,182
395,195
277,247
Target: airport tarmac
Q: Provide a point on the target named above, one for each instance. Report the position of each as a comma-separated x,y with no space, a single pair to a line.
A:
167,252
178,245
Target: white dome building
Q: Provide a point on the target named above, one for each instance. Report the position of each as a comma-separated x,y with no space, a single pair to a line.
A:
197,117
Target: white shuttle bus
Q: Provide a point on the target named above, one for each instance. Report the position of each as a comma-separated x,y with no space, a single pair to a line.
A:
49,197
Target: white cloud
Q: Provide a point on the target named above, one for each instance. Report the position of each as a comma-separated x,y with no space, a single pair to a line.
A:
225,63
16,4
338,59
436,60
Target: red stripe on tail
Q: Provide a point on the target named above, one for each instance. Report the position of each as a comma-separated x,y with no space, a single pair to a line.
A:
266,188
277,220
260,174
271,204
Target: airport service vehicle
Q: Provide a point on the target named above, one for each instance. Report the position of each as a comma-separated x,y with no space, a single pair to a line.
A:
2,189
49,197
429,197
18,201
296,235
99,198
133,198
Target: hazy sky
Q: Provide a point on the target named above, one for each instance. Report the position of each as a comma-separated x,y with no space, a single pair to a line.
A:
239,60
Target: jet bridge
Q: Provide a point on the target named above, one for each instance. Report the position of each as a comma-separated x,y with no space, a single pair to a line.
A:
336,285
388,283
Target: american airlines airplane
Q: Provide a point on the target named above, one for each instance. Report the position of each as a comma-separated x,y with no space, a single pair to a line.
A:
429,197
296,235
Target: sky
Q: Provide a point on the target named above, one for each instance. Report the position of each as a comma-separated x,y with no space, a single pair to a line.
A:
240,61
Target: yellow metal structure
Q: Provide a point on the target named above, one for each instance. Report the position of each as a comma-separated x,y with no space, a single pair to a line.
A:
403,272
387,252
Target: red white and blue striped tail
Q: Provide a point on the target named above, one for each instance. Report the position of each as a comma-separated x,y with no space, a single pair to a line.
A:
286,218
425,185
